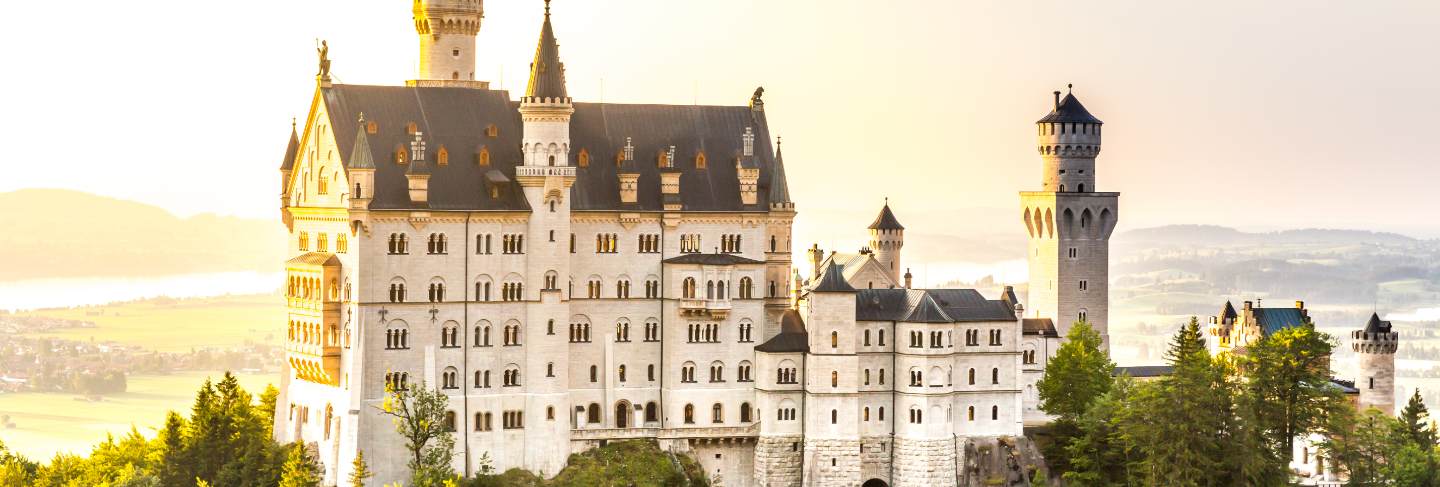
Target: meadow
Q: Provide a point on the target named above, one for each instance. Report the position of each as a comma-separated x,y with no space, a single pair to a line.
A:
50,423
178,325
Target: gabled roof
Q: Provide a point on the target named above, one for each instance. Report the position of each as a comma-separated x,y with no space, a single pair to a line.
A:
1070,110
1377,326
955,305
925,310
1228,312
1271,320
832,280
792,337
291,150
456,118
886,220
1044,327
547,73
711,259
360,155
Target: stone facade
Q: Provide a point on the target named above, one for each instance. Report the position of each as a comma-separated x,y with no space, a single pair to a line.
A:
925,461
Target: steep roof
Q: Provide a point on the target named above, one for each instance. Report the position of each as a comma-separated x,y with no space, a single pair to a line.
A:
1039,326
360,155
1377,326
832,280
1068,110
547,73
1271,320
792,337
711,259
457,118
954,305
779,189
1228,312
886,220
291,150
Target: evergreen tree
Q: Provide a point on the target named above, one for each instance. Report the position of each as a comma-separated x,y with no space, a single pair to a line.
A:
169,455
1413,421
1360,444
1288,372
300,470
1079,373
1179,430
267,405
1102,452
360,471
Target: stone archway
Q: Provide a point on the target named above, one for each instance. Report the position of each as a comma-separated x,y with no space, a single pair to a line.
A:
874,483
622,414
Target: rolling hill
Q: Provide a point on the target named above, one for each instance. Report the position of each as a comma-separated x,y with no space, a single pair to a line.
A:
53,233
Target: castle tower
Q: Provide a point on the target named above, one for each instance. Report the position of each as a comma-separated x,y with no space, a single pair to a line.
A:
1375,348
546,177
1069,222
887,235
832,383
447,30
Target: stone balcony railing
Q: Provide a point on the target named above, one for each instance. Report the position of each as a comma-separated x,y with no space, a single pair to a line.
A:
542,171
716,308
746,431
614,433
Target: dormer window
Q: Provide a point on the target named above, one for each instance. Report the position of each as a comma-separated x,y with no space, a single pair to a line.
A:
484,156
371,127
664,160
411,128
583,160
400,155
700,161
492,131
442,157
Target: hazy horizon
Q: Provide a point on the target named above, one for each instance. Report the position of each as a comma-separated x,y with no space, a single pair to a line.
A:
1259,116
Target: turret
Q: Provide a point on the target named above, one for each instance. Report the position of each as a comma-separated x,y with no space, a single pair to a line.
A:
1375,348
361,165
1068,139
447,30
288,163
887,236
546,108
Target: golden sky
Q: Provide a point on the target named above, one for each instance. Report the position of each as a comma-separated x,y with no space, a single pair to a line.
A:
1259,115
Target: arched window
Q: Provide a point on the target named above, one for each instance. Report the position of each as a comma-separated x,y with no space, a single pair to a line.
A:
594,374
834,339
689,414
688,288
745,412
717,414
621,373
450,378
970,413
652,412
834,378
994,412
995,376
592,414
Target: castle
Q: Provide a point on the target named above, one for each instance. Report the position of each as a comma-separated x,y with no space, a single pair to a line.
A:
574,273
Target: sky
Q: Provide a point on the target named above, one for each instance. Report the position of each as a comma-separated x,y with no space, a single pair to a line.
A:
1257,115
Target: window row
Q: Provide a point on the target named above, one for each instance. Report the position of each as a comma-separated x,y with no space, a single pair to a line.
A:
689,288
717,413
322,243
717,372
917,416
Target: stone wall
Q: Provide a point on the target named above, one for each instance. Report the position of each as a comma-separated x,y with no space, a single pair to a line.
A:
777,461
929,462
832,462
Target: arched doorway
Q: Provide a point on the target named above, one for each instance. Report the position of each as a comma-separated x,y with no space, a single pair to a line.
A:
875,483
622,414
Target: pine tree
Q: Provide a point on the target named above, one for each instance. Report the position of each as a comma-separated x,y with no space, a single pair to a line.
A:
360,471
300,470
1413,421
1102,453
1079,373
170,458
1179,431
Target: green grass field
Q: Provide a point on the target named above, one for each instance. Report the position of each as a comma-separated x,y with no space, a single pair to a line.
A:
49,423
170,325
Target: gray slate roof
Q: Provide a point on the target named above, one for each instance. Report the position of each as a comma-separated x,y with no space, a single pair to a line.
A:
1039,326
954,305
360,155
1377,326
456,118
832,280
1070,110
291,151
711,259
547,73
886,220
792,337
779,188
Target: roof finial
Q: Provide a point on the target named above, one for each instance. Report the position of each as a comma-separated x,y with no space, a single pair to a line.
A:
887,201
362,118
547,8
1071,87
292,124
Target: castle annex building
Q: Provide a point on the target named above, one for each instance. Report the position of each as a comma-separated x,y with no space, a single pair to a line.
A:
573,273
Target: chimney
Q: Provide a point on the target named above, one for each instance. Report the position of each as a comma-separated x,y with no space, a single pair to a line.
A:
816,255
908,279
1299,305
1249,305
1057,100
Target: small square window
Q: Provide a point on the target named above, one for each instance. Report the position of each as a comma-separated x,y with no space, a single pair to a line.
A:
455,53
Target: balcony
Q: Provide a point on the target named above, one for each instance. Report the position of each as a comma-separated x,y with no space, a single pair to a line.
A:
714,308
544,171
711,432
614,433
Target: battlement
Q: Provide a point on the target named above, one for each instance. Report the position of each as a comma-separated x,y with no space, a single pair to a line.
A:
1383,342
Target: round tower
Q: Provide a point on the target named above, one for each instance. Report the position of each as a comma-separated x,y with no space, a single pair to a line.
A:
1068,140
1375,350
887,236
447,30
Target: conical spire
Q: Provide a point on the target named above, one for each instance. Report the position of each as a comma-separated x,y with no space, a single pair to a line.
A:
547,73
886,220
1069,110
292,150
779,188
360,155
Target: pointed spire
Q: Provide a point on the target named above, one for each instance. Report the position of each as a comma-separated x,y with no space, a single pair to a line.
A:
291,150
360,155
833,280
779,188
886,220
1068,110
547,73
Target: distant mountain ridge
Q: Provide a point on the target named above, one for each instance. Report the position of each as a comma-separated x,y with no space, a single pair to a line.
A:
56,233
1219,235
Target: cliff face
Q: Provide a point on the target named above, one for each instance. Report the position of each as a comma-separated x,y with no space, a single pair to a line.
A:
51,233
